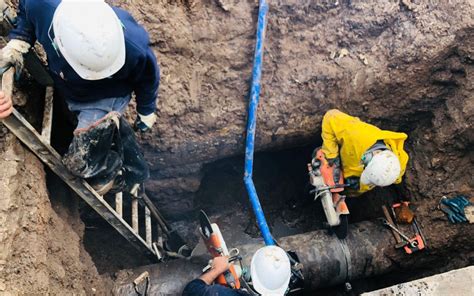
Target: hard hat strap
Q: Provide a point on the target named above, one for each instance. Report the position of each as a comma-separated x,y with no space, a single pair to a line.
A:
53,43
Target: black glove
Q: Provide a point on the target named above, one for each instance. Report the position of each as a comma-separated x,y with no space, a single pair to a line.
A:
336,163
353,182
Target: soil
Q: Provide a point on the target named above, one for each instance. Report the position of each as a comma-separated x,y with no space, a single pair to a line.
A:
402,65
42,251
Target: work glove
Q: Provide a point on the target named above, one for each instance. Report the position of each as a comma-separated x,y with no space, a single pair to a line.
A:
454,208
144,123
12,55
352,182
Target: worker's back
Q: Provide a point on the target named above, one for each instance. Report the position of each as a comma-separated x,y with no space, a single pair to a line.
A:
349,137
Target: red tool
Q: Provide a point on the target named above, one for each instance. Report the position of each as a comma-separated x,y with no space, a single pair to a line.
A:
412,244
216,246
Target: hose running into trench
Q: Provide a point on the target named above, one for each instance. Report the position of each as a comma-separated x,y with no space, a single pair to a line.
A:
252,124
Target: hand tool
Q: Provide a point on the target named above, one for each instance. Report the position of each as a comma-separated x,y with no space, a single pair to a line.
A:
411,242
413,245
417,228
400,243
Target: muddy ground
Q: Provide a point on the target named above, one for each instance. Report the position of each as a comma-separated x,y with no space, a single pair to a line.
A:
402,65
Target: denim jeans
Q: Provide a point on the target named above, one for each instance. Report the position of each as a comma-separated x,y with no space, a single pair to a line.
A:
100,148
90,112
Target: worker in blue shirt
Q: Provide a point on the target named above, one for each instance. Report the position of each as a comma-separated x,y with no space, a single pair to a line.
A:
97,56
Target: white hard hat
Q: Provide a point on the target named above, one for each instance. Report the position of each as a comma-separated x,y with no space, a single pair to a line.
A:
271,271
90,36
382,170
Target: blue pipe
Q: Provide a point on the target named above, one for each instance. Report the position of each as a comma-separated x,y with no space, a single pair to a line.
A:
252,124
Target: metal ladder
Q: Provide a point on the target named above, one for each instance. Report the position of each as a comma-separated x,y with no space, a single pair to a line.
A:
40,146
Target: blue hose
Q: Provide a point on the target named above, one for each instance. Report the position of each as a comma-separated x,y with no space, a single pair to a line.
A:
252,124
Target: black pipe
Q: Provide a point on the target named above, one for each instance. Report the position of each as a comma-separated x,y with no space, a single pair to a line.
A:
326,260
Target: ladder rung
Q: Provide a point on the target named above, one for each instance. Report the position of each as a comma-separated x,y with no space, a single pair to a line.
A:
119,203
135,215
148,226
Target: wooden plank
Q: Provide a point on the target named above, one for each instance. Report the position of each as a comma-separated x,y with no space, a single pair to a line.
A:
28,135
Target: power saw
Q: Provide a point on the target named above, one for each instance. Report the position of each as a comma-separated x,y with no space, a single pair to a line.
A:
217,247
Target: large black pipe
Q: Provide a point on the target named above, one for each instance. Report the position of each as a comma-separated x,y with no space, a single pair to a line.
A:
326,260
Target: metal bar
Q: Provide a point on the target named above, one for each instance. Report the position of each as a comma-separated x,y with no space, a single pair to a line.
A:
48,114
135,215
119,203
23,130
397,237
252,124
147,226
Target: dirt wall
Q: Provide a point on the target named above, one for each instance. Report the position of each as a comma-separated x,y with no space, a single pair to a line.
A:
41,252
403,65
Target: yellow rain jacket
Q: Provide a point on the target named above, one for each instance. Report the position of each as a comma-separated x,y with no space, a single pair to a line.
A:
349,137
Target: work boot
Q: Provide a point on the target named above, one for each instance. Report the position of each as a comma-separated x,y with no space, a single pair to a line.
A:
134,165
96,153
110,184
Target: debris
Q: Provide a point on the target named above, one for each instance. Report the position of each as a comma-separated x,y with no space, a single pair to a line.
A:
142,283
409,5
364,59
343,52
222,5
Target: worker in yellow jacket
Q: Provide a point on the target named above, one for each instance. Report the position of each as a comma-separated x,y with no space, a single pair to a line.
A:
368,156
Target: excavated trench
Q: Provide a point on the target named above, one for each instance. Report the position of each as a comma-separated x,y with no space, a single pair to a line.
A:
400,65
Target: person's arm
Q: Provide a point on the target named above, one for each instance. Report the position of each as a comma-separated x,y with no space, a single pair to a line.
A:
202,285
147,81
330,146
219,266
24,29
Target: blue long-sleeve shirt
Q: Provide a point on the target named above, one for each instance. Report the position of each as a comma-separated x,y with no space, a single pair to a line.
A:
140,74
198,287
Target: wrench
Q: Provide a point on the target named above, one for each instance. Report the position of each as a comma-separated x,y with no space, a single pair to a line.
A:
413,244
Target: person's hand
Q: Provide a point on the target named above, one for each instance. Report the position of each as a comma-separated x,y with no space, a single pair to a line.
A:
12,55
144,123
6,105
220,264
